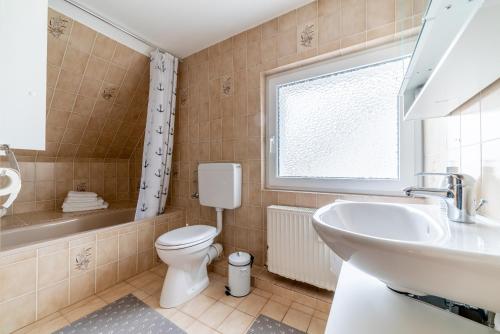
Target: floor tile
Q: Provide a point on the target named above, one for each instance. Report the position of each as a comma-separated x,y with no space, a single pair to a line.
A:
82,308
46,325
142,279
297,319
182,320
252,304
302,308
154,303
140,295
317,326
196,306
116,292
160,270
282,300
262,293
153,286
199,328
320,315
216,314
232,301
236,323
274,310
215,290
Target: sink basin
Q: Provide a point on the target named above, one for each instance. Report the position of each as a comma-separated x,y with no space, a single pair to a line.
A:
415,249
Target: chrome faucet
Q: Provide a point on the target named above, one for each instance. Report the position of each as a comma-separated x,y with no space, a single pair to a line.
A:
457,196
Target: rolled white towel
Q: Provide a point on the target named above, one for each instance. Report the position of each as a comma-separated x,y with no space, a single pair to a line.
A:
83,200
71,208
81,194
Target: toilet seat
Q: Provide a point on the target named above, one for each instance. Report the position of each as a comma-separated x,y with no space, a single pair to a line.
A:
186,237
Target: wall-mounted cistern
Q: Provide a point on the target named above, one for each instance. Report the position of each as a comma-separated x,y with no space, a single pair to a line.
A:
457,195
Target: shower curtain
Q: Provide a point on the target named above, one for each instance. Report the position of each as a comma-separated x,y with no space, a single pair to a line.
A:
159,136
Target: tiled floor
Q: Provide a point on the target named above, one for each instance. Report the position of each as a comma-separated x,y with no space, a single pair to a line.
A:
210,312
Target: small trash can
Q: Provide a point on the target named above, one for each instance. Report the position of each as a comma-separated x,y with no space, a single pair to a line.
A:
240,264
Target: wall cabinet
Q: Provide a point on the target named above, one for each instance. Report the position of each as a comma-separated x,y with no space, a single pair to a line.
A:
23,68
456,56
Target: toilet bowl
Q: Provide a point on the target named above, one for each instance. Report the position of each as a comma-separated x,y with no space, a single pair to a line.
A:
187,251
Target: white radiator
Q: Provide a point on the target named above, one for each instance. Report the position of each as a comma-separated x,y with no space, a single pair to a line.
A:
295,250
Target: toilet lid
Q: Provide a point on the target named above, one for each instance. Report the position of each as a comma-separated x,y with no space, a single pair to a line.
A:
186,235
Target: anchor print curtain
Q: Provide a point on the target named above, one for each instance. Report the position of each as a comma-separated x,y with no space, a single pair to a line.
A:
159,136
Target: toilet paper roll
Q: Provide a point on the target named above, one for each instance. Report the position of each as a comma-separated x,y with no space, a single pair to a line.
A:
11,186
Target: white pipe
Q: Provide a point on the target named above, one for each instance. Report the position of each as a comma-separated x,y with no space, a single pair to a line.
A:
214,251
219,220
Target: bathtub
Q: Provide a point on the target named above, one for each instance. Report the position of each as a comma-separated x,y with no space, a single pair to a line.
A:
63,227
50,260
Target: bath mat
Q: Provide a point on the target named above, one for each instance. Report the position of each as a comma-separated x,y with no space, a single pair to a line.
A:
266,325
126,315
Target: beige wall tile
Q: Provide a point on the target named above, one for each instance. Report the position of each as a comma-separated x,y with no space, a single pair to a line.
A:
380,12
53,298
353,16
82,286
106,276
82,259
82,37
127,267
17,313
17,279
53,268
107,250
127,245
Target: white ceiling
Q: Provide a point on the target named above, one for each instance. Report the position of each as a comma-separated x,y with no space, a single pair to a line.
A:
184,27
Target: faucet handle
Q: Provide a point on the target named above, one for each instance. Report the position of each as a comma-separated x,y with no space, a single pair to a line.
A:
452,178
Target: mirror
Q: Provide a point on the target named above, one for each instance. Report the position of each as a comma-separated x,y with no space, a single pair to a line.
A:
456,56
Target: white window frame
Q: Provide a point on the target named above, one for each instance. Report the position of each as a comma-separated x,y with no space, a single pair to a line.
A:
410,138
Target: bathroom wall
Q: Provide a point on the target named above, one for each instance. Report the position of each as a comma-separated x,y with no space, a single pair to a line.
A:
469,139
97,92
45,184
219,116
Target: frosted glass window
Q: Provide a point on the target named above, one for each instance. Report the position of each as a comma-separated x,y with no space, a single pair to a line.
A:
341,125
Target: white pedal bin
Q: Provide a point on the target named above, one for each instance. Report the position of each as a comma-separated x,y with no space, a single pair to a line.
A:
240,264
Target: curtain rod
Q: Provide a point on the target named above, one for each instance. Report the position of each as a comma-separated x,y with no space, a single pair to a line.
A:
116,26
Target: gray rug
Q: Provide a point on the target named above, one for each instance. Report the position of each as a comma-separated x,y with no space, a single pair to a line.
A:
266,325
126,315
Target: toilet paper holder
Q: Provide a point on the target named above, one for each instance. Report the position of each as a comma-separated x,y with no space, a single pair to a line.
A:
10,179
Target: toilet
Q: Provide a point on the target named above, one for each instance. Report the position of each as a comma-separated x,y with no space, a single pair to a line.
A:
189,250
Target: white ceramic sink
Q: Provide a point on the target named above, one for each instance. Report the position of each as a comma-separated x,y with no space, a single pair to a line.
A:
413,248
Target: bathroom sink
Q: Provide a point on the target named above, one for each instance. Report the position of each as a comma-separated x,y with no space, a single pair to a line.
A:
415,249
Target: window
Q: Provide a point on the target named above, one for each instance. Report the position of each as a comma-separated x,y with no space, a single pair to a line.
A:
336,126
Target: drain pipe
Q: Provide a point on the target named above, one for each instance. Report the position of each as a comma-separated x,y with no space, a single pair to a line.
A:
215,250
219,220
213,253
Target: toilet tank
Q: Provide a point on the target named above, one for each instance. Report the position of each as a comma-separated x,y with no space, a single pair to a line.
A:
219,185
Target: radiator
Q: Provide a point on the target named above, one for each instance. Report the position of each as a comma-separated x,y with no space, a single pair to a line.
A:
295,251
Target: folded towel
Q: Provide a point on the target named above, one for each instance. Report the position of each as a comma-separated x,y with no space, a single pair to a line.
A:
82,206
83,200
81,194
88,208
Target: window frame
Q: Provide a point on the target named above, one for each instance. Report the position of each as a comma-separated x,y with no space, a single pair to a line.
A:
410,132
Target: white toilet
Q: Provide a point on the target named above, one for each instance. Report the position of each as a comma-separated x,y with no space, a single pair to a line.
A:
188,250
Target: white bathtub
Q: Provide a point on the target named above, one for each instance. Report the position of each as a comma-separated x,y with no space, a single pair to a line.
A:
59,228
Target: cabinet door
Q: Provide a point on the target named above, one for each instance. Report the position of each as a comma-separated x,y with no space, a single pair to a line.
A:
23,71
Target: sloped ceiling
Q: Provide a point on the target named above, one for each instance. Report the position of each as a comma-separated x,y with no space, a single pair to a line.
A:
97,91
